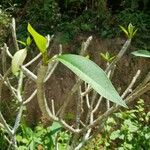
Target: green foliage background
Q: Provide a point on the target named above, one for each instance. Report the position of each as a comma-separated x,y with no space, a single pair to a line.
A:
75,16
125,130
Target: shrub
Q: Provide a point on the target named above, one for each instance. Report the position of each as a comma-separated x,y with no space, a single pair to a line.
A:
42,137
129,129
45,15
98,83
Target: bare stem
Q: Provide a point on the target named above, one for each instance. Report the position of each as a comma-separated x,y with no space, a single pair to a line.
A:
19,90
33,60
28,73
145,81
2,81
7,51
40,89
119,56
107,101
30,98
78,117
13,28
97,105
53,107
50,70
18,119
129,88
4,123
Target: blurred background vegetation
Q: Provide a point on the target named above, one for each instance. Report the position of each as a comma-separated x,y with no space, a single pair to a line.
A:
70,17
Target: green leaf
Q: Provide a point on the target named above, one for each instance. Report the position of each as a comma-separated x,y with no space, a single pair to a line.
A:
107,55
131,126
120,148
23,43
111,121
122,136
22,148
147,136
28,41
40,40
124,30
141,53
32,145
134,32
147,117
55,128
112,58
115,134
18,60
130,30
128,146
18,138
93,75
103,56
25,141
55,125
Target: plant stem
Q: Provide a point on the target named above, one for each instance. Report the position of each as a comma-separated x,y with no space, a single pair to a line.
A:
42,70
119,56
13,29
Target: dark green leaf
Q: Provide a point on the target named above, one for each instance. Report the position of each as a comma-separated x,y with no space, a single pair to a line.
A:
55,128
93,75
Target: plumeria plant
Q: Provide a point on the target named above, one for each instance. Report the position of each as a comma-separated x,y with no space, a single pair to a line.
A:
95,80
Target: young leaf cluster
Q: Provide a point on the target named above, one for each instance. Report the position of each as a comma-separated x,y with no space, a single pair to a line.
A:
107,57
130,31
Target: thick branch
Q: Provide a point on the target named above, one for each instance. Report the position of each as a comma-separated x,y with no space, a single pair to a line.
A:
40,89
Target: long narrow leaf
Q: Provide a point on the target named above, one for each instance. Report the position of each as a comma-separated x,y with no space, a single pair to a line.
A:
141,53
23,43
93,75
124,30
